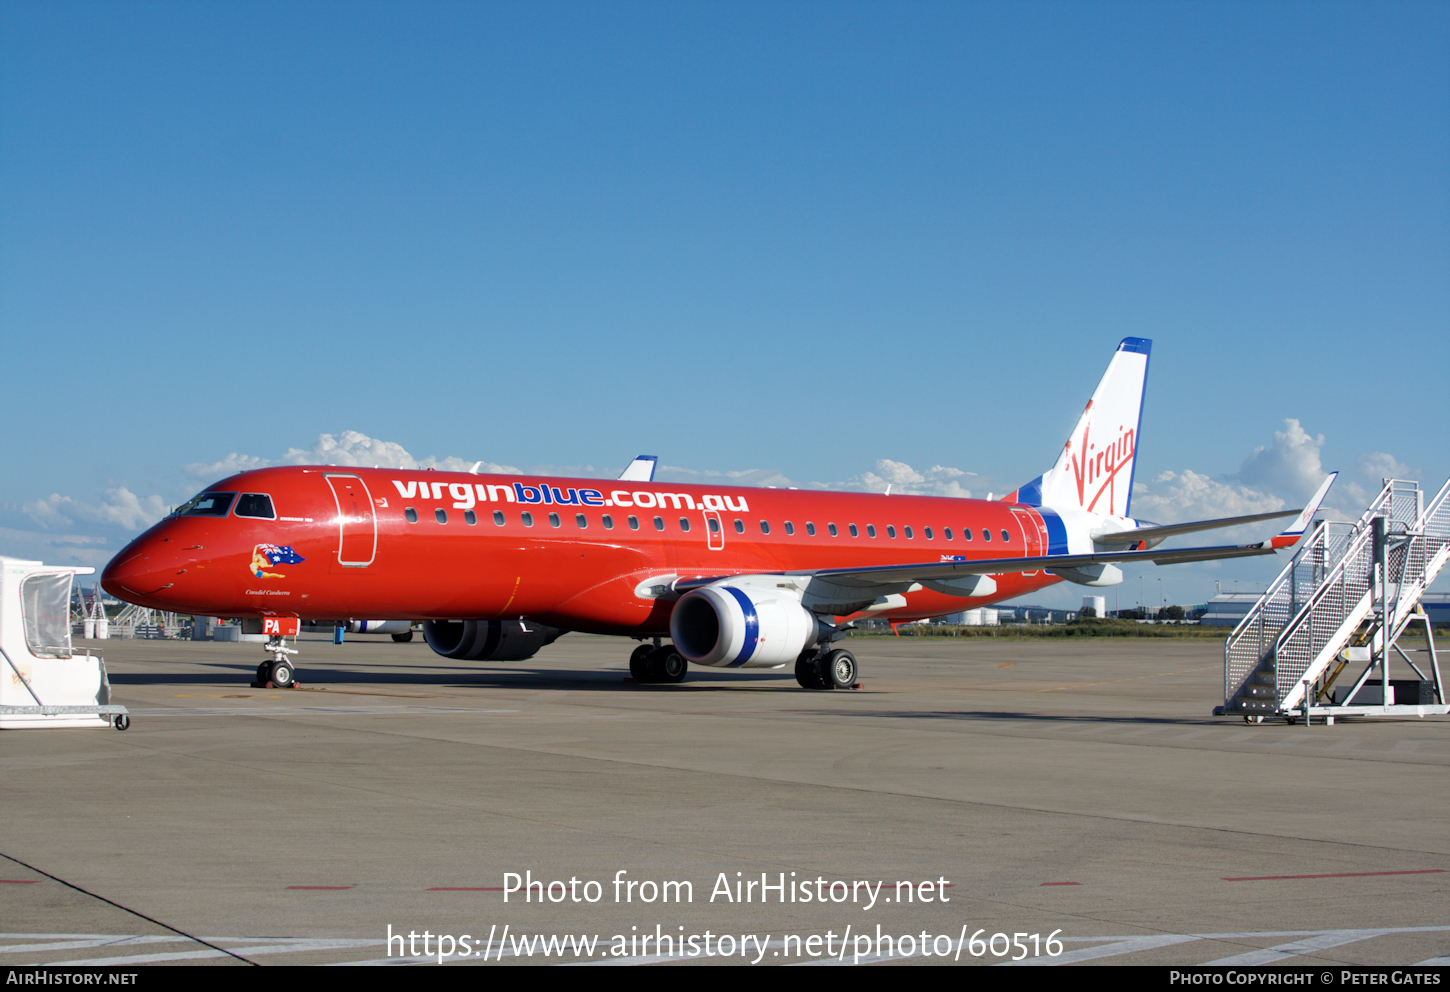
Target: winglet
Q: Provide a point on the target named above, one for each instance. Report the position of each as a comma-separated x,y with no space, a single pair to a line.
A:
642,469
1290,535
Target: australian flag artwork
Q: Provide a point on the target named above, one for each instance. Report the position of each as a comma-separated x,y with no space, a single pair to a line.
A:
280,555
265,556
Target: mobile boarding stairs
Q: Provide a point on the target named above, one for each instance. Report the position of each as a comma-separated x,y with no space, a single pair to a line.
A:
44,682
1343,601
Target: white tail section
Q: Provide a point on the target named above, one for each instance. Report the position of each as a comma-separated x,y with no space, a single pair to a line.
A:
1094,472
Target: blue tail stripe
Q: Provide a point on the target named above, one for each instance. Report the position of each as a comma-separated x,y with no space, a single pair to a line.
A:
1056,532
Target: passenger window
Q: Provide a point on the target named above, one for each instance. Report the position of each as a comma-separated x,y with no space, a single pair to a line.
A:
581,521
810,528
789,528
831,528
909,534
764,527
870,530
685,524
659,523
986,534
852,529
498,517
714,526
527,518
740,526
411,515
928,533
1005,537
607,521
633,522
553,520
947,533
891,531
255,505
441,516
966,533
470,518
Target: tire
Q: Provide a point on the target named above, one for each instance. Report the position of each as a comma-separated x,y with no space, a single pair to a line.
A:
638,663
839,670
403,638
263,671
280,674
671,666
122,721
805,673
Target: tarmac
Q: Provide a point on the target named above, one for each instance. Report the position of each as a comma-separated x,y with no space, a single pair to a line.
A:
1058,801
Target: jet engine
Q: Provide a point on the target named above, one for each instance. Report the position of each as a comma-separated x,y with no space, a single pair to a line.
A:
740,623
488,640
379,626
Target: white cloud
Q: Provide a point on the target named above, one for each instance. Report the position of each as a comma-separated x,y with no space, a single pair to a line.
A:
1292,466
121,508
1380,465
55,549
357,449
1175,497
230,465
749,477
939,480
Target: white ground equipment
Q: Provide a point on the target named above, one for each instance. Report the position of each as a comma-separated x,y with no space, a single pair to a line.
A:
43,682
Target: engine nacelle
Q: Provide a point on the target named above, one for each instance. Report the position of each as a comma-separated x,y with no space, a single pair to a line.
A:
488,640
743,623
379,626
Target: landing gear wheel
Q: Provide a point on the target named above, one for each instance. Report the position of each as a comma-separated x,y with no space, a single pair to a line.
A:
121,722
805,673
403,638
669,665
280,674
838,670
263,672
638,663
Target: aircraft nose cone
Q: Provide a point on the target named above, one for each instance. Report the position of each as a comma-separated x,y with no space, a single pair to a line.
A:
136,573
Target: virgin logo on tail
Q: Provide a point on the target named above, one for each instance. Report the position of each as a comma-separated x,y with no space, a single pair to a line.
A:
1089,469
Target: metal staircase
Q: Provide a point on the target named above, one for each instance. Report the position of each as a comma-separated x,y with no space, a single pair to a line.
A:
1347,596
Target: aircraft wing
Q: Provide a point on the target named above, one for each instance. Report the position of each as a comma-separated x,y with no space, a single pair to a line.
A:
957,565
1161,531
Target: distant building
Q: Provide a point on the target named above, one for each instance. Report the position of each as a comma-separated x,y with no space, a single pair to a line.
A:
1228,608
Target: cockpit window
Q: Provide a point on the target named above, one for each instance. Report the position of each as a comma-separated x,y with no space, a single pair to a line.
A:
255,505
206,505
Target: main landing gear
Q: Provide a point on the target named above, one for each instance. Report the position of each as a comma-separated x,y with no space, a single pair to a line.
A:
822,668
277,673
658,663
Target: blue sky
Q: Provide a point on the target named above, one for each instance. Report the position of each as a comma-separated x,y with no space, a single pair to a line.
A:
802,241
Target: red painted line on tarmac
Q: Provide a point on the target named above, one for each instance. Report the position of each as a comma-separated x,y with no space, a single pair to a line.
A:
448,888
322,888
18,881
1059,883
1347,874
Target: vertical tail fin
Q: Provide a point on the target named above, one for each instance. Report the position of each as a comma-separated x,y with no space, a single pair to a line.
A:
1094,472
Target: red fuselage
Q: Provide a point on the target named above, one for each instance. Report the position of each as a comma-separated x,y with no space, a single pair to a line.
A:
384,543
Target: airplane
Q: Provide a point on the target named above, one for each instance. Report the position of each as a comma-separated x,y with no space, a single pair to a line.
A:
497,566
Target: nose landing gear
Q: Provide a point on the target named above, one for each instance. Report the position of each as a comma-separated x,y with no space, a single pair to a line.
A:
278,672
